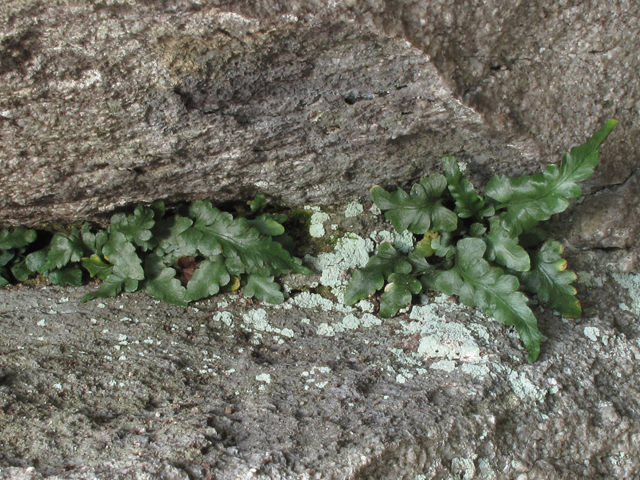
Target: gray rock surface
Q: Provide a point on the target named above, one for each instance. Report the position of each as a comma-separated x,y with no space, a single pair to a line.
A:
229,388
106,103
102,106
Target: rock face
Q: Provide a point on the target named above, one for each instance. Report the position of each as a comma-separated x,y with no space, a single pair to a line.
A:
105,106
128,387
106,103
131,389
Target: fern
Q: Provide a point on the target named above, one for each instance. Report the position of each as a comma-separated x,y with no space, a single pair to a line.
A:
12,247
182,258
484,250
175,257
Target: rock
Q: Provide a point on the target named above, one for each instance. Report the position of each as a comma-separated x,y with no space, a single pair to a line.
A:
229,389
605,228
104,106
311,388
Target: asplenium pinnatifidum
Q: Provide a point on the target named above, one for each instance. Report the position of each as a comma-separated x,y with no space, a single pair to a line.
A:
13,245
193,254
175,257
482,249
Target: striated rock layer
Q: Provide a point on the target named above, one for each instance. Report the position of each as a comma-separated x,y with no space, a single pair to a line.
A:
103,106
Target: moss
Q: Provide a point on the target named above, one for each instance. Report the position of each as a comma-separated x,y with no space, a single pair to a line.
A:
297,226
325,292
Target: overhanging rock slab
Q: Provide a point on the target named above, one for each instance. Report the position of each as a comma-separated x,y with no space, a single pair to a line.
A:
103,106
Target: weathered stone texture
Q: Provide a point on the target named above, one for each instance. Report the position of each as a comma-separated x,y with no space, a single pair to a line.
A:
105,106
109,103
140,390
106,103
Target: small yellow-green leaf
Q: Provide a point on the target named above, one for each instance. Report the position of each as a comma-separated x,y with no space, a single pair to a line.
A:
233,285
398,293
424,245
96,267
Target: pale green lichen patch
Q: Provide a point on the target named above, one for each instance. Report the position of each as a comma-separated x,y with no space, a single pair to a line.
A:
316,229
589,279
521,385
351,251
403,242
349,322
224,317
444,365
631,282
256,321
440,338
592,333
353,209
264,377
525,388
365,306
314,300
475,369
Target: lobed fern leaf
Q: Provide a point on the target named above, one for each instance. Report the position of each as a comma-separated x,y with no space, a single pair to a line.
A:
380,267
419,211
551,281
489,289
468,202
531,199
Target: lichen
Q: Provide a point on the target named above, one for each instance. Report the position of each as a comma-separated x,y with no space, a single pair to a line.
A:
349,322
524,388
350,251
631,282
256,320
403,242
353,210
224,317
445,365
314,300
439,338
592,333
316,229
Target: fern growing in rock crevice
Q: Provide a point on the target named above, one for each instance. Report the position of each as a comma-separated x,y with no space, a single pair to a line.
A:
175,257
482,249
